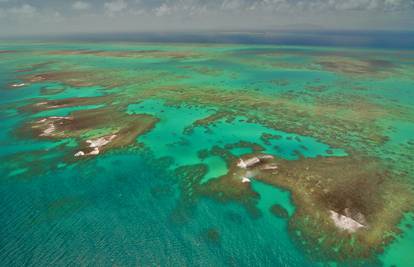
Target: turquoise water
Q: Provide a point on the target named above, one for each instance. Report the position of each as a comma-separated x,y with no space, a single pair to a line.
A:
401,251
108,212
118,209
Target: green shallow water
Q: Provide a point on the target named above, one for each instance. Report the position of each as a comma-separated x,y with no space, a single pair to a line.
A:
118,209
169,138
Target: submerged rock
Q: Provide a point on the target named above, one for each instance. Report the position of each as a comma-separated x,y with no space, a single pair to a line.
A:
212,235
279,211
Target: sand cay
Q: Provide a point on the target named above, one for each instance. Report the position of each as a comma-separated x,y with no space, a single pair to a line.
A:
96,144
345,223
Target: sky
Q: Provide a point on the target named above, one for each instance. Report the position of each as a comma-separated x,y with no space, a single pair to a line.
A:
31,17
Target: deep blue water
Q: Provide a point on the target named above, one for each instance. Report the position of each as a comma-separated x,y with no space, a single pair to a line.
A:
345,38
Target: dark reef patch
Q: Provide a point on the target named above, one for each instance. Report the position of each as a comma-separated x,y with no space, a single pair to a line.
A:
130,53
212,235
352,66
279,211
51,91
7,51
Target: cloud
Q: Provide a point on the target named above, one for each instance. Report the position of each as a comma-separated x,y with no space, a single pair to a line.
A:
115,6
80,5
182,8
231,4
162,10
24,10
368,5
317,5
149,15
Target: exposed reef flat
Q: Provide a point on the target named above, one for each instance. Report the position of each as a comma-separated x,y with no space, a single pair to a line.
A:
72,78
7,51
96,130
44,104
351,66
340,195
131,54
358,189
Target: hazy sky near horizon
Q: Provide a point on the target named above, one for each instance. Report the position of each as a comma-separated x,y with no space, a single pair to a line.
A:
21,17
